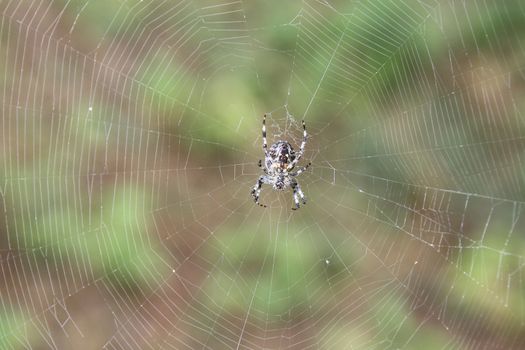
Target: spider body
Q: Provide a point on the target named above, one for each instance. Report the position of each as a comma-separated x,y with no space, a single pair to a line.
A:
279,161
279,156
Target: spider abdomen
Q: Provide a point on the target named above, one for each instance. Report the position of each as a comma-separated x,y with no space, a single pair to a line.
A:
279,156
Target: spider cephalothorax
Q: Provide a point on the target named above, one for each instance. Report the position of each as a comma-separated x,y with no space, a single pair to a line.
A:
279,161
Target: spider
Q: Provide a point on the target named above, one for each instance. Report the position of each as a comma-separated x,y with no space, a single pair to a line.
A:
279,161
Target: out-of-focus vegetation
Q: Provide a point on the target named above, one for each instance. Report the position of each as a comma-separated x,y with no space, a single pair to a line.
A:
130,136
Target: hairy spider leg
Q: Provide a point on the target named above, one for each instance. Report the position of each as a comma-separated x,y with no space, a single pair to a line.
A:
301,149
265,144
303,198
300,171
297,192
263,168
256,191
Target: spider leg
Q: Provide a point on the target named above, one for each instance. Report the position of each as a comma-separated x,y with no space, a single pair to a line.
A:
263,168
256,190
297,192
265,144
303,169
301,194
301,149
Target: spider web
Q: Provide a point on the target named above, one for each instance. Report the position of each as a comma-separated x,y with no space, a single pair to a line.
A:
131,131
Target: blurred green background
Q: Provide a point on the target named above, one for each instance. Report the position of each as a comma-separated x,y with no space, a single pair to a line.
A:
131,132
